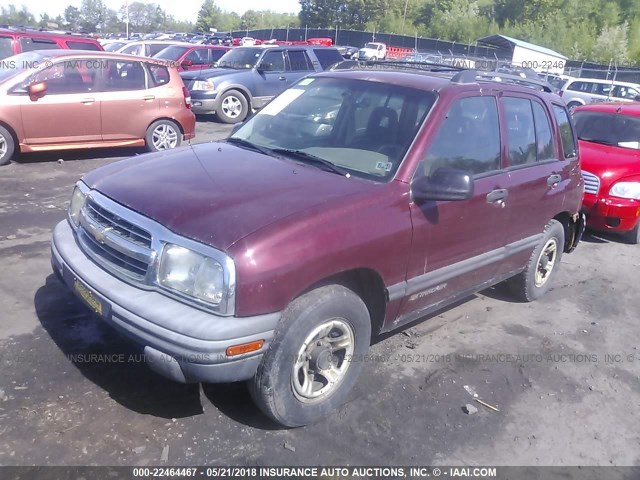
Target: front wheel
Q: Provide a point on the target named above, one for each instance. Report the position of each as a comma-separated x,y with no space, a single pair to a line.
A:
163,135
7,146
315,357
633,236
233,107
543,264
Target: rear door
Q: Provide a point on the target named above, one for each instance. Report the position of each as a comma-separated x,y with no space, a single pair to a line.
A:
128,105
537,176
298,65
457,244
70,110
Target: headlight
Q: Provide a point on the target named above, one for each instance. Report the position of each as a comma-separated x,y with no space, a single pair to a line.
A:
78,198
192,274
626,190
203,86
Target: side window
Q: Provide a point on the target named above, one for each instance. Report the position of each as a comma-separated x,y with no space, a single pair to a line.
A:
198,57
83,46
124,75
159,74
566,131
216,54
66,78
521,131
544,137
274,61
29,44
327,57
299,61
468,139
577,86
154,48
622,91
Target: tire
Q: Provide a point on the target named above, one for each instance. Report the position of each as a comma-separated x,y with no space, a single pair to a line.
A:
233,107
7,146
163,135
281,388
573,105
536,279
374,59
633,236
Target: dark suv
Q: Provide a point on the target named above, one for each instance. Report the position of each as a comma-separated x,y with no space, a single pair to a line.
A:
352,204
249,77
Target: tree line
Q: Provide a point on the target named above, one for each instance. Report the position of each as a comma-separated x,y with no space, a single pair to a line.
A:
597,30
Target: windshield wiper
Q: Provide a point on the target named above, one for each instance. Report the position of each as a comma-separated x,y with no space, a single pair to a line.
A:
595,140
314,160
241,142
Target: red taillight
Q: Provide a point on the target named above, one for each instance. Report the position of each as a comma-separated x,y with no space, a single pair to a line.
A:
187,97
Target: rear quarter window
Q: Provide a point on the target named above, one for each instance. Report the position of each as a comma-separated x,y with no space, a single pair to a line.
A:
83,46
327,57
159,74
28,44
6,48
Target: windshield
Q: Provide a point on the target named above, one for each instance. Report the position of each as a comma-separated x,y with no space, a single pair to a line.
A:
112,47
371,45
171,53
12,66
240,58
608,128
361,127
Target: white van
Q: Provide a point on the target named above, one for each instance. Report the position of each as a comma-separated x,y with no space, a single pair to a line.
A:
581,91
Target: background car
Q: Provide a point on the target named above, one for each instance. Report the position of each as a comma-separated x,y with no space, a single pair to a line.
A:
609,138
76,99
146,48
348,52
15,41
192,57
582,91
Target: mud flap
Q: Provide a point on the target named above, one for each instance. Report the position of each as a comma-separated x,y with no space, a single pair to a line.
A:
579,224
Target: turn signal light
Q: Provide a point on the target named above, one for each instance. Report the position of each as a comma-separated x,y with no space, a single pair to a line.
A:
244,348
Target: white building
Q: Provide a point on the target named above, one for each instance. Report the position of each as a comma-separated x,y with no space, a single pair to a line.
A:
528,55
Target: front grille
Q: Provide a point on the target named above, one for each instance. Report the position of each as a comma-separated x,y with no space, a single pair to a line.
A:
115,242
121,226
591,182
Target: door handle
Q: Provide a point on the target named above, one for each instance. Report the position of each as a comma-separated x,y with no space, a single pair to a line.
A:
149,98
554,180
282,78
497,196
88,101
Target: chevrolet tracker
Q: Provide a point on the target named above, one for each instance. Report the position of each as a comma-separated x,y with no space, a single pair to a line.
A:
355,202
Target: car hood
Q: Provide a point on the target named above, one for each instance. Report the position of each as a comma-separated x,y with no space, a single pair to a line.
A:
210,73
600,159
218,193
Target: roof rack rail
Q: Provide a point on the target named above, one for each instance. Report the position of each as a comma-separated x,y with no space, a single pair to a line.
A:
395,64
472,76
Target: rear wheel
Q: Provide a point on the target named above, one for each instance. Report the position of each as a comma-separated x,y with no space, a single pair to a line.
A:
543,264
7,146
233,107
314,359
163,135
573,105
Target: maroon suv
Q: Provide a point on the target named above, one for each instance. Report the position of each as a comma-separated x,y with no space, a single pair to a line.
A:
352,204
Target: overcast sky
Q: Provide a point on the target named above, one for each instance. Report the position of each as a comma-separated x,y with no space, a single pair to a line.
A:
181,9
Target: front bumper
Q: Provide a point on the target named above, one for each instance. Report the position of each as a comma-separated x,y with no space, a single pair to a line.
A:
611,214
205,105
180,342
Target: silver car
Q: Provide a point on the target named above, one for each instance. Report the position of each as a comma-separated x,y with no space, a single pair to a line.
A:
582,91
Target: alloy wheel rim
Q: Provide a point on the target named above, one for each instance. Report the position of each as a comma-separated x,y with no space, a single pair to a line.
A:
231,107
546,262
165,137
323,360
3,146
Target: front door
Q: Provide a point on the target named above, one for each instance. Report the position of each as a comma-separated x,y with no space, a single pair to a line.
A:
272,77
457,245
70,110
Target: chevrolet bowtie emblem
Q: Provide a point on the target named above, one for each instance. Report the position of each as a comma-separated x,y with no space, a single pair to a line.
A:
100,233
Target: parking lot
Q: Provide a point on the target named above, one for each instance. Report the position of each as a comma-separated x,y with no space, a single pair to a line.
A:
563,372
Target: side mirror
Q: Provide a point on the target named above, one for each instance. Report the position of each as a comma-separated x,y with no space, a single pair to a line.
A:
186,64
37,90
445,184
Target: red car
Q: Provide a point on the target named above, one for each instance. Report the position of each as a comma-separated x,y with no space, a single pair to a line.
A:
609,140
14,41
192,57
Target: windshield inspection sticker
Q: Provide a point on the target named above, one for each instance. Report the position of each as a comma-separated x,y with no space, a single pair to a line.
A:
384,166
279,103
